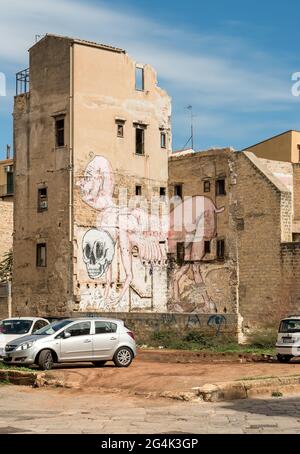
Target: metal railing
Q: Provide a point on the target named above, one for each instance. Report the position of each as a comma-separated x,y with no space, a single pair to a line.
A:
22,82
6,190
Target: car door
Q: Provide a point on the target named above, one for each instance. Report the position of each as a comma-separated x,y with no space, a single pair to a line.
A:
80,345
105,339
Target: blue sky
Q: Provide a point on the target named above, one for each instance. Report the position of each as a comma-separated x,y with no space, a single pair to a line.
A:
231,60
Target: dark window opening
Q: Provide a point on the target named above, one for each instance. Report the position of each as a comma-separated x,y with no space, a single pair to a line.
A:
220,187
180,253
138,190
207,247
206,186
60,132
42,199
41,255
139,78
163,140
139,141
178,190
162,192
120,128
220,249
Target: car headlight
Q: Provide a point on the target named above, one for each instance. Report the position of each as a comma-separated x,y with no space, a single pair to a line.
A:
24,346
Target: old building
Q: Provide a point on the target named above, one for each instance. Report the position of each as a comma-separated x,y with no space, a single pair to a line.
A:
241,253
282,147
92,138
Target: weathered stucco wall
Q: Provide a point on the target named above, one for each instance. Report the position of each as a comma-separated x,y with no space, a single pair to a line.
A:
6,226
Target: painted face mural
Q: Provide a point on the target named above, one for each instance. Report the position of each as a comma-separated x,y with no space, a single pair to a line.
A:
98,252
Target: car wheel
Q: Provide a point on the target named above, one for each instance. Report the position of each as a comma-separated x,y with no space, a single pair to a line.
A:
123,357
284,358
45,360
99,363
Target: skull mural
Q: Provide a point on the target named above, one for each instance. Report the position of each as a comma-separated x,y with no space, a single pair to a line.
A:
98,250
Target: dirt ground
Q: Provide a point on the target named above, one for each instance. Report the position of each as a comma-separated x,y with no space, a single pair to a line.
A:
154,372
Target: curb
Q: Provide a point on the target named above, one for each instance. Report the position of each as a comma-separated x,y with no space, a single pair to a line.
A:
21,378
246,388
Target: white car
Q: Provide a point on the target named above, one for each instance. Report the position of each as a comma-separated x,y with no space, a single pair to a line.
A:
288,341
13,328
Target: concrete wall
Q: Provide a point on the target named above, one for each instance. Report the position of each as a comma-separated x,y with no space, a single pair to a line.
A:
6,225
39,163
284,147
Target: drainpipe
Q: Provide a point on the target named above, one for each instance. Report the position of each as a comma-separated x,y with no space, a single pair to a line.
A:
9,300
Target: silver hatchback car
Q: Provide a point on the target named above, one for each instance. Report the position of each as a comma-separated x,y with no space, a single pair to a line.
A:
95,340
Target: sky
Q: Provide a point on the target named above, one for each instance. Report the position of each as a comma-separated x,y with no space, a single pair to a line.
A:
231,60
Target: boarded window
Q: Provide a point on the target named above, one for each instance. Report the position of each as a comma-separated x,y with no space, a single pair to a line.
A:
207,247
220,187
206,186
42,199
180,253
60,132
139,78
41,255
220,249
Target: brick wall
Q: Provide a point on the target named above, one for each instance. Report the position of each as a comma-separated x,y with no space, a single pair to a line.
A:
290,288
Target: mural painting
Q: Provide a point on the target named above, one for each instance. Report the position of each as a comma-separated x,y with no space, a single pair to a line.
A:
119,230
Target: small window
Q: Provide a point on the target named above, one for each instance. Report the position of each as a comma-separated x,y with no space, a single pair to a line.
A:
138,190
207,247
139,78
79,329
220,249
163,140
206,186
220,187
60,132
180,253
105,327
162,192
178,190
42,199
39,325
120,128
139,140
41,255
298,153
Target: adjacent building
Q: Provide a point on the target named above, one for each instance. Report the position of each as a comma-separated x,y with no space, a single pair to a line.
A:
6,205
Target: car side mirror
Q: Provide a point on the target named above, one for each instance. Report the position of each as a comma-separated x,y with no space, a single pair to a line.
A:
66,335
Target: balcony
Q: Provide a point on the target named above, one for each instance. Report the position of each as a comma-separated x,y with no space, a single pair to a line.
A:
22,82
7,190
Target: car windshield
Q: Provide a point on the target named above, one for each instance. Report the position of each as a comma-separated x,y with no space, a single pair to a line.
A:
15,326
290,326
53,328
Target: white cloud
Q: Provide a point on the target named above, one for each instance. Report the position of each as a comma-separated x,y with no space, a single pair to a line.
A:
214,72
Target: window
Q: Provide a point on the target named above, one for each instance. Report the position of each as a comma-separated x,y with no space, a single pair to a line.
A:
220,249
139,78
163,140
105,327
60,132
9,182
41,255
79,329
178,190
298,152
139,140
180,253
42,199
39,325
162,192
207,247
138,190
220,187
120,128
206,186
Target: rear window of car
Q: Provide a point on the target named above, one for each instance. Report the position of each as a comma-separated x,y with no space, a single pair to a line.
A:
105,327
17,327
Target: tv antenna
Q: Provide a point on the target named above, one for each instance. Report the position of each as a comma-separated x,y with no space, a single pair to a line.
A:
191,138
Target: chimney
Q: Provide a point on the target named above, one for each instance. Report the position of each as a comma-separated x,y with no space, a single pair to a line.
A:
7,151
